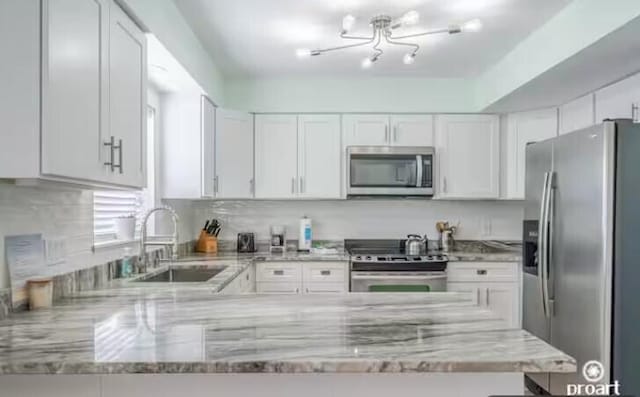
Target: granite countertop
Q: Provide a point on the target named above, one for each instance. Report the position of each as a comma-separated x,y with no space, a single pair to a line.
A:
177,330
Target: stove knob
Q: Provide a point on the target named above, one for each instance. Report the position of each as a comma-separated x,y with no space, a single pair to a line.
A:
430,257
369,258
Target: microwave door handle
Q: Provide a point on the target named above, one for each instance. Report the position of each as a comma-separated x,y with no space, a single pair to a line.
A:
419,171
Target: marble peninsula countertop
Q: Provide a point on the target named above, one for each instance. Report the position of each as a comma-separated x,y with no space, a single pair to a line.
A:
178,330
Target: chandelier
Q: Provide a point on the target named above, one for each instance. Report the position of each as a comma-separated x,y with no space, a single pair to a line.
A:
385,28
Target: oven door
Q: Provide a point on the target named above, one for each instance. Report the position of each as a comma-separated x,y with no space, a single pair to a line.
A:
402,171
398,281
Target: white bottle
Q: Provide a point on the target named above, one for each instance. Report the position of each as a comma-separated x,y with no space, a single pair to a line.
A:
304,238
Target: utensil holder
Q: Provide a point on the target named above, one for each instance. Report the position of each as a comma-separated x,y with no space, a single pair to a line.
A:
207,243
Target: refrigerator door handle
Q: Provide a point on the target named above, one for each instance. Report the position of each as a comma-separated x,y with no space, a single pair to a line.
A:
547,242
542,242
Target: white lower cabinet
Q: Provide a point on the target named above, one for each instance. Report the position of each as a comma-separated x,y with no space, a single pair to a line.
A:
302,277
244,283
494,285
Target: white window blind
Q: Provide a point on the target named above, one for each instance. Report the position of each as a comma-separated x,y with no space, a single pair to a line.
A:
109,205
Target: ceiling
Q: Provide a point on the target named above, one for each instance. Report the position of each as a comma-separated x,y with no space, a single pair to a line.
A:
257,38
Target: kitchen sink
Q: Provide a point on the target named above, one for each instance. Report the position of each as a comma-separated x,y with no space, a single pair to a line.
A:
182,275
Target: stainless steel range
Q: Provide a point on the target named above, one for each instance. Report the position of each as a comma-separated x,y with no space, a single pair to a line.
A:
383,266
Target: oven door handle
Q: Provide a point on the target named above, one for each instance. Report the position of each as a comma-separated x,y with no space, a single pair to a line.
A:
386,276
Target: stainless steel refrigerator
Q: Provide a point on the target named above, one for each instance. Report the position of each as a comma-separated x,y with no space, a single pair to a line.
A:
581,251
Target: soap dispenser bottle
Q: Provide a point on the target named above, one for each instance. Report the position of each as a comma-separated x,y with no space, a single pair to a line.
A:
304,238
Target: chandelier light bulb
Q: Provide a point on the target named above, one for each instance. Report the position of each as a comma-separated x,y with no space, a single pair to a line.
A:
367,63
410,18
303,53
474,25
409,58
347,22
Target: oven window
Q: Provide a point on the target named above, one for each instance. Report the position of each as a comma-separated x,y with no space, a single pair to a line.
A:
400,288
383,171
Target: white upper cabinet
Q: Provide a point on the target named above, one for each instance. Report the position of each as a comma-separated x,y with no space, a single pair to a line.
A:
522,129
187,146
208,147
73,93
618,100
319,161
385,130
74,86
234,154
577,114
276,139
127,98
366,130
411,130
468,154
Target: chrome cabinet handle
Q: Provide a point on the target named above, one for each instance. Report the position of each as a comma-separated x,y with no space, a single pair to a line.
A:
395,133
293,185
634,112
481,272
444,184
278,272
478,296
386,133
297,290
111,145
252,186
307,290
119,147
325,272
215,184
302,184
487,296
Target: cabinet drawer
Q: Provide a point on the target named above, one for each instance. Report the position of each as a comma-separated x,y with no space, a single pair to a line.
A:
324,272
278,272
277,288
325,288
482,271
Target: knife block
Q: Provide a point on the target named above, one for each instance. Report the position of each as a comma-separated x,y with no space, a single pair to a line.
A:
207,243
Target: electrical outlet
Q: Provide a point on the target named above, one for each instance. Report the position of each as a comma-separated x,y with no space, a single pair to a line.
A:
55,251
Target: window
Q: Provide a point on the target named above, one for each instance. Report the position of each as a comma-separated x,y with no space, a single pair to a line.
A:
113,204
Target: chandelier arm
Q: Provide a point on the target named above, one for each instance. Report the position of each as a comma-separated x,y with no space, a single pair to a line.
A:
375,47
369,40
430,32
391,41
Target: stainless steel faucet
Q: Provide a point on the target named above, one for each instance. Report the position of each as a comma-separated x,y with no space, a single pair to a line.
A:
173,242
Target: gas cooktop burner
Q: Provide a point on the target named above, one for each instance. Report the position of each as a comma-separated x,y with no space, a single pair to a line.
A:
399,258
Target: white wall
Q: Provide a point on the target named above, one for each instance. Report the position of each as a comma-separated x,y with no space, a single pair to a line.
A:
378,94
335,220
66,214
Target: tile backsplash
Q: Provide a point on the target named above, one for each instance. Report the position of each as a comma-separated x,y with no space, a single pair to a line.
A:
63,214
334,220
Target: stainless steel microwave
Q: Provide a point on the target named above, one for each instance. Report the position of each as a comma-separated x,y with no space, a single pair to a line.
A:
390,171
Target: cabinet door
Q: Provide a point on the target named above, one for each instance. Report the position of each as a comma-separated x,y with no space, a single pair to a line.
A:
234,154
472,289
523,129
127,96
616,100
208,147
276,156
412,130
277,288
503,299
366,130
577,114
468,147
324,288
319,160
74,88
